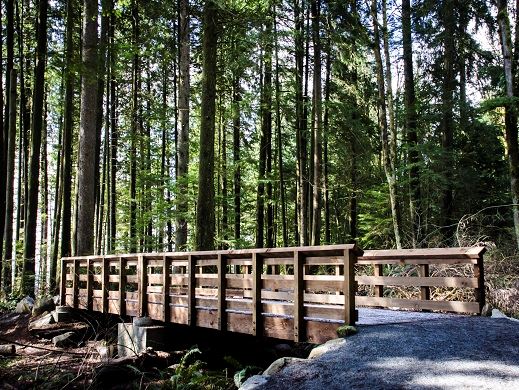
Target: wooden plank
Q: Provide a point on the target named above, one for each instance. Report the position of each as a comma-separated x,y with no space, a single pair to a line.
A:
104,285
431,253
89,284
257,270
142,273
155,279
320,332
222,286
450,306
325,312
278,327
418,281
414,261
166,284
349,287
324,260
324,298
75,284
207,318
239,322
63,283
191,269
425,292
299,290
378,272
122,286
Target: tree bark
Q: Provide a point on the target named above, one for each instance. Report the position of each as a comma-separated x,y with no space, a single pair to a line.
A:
113,132
317,126
410,125
205,222
27,280
87,132
510,110
11,146
68,125
236,125
183,116
382,121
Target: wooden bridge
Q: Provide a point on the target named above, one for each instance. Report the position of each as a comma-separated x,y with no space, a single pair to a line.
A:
300,294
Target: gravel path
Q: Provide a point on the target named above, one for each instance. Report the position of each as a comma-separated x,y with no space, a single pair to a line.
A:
404,350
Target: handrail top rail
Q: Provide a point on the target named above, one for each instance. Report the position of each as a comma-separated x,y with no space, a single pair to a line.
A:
329,250
431,253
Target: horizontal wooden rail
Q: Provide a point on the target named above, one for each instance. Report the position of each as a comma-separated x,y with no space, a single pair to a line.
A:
284,293
425,275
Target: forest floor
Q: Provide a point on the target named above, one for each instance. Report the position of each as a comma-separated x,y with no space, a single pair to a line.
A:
404,350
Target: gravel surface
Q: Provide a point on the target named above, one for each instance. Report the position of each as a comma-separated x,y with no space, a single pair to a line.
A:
405,350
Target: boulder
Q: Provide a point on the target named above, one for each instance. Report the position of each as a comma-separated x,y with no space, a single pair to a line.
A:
42,305
41,322
323,348
254,382
25,305
283,349
68,339
279,364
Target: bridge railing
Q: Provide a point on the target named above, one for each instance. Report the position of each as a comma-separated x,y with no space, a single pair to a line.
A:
445,279
300,294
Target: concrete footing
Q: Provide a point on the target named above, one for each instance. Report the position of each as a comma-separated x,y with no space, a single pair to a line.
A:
133,339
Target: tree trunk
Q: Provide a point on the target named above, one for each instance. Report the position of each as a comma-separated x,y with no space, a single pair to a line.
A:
410,125
317,126
447,123
68,125
326,130
205,205
183,136
113,132
382,121
11,146
511,110
27,280
3,155
87,133
236,125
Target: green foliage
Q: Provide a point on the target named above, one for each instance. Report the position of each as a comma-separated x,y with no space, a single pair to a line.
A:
346,330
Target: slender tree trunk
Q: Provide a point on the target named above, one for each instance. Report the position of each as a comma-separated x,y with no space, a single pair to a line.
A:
326,130
410,125
300,136
317,126
113,132
447,122
382,121
236,97
135,127
68,125
87,133
284,225
183,113
27,281
205,222
3,154
11,147
511,109
262,161
41,283
23,147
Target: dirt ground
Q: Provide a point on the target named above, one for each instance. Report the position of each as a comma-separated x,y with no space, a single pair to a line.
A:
38,364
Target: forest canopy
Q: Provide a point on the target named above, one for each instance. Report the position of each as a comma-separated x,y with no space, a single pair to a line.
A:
140,126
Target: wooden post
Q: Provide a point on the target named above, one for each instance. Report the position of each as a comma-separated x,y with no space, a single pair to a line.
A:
105,284
75,284
350,287
425,291
89,287
166,282
222,287
257,270
299,298
122,286
63,283
191,290
379,271
479,273
142,272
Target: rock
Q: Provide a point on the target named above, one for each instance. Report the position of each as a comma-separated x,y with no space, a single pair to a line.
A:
62,314
142,321
65,340
241,376
7,350
57,300
328,346
487,310
346,330
279,364
25,305
42,305
41,322
254,382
